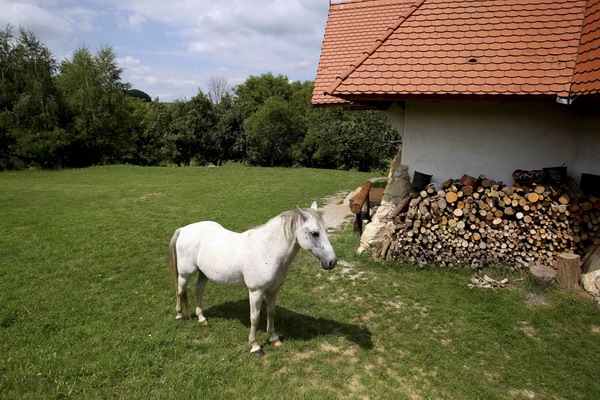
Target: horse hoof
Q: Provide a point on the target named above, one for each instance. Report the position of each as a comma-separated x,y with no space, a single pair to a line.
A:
276,343
258,353
180,318
203,323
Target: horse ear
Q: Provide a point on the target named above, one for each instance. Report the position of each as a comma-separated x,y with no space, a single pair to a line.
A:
303,213
314,206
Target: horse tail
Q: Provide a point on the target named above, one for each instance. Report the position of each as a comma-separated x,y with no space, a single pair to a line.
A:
173,262
173,255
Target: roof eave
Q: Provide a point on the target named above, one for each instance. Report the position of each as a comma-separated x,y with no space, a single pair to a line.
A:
375,97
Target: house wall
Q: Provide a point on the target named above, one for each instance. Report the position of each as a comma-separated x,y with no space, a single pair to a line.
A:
450,138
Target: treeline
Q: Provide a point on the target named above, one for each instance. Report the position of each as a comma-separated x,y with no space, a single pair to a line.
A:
79,113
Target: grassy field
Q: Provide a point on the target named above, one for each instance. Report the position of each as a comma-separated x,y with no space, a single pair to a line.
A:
87,303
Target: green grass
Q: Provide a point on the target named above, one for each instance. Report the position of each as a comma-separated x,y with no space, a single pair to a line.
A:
87,303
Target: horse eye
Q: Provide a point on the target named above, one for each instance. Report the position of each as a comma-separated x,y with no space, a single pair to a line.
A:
315,234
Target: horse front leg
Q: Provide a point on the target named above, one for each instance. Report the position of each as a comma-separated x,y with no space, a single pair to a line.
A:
271,299
200,285
256,298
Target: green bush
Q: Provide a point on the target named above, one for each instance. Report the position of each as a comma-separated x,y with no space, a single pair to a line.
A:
272,133
348,139
44,149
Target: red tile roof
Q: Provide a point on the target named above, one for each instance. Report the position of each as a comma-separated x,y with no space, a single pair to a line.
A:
351,26
586,78
459,47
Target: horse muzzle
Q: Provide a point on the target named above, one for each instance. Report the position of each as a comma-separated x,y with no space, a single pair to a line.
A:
328,265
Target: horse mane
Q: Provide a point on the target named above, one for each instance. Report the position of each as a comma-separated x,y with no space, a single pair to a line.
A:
290,220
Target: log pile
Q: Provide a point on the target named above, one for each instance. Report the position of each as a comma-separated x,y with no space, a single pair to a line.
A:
490,223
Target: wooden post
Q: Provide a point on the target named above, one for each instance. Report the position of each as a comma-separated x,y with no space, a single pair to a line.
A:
358,223
357,206
569,271
368,207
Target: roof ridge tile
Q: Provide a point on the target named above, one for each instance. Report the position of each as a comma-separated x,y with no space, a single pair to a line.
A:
588,11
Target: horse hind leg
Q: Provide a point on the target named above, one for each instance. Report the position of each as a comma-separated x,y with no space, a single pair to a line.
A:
183,305
200,285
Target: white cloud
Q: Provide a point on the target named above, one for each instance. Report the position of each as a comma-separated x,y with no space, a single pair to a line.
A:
33,17
159,80
229,38
256,34
128,61
133,66
183,83
134,21
52,25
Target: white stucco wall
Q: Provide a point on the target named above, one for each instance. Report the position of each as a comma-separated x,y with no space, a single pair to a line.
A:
450,138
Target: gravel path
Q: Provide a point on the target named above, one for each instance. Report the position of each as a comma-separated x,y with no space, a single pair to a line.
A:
336,210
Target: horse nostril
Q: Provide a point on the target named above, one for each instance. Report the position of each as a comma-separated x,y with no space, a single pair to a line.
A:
332,263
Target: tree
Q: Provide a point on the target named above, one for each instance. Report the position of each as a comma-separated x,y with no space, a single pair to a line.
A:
218,87
273,132
348,139
97,107
36,105
138,94
149,126
29,107
256,90
189,135
228,132
8,94
8,85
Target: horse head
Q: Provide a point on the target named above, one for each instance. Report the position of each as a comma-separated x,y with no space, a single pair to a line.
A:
311,234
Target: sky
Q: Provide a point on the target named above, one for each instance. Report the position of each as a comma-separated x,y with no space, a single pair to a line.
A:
170,49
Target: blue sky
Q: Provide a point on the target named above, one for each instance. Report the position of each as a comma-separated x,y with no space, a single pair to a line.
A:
170,49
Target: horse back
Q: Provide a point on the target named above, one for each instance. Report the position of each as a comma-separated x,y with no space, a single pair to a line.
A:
218,252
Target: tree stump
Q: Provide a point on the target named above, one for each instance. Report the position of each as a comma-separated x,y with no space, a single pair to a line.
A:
542,275
568,271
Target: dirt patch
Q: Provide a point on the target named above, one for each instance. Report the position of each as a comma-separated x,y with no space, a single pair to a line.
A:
521,393
528,330
535,300
303,356
395,304
356,388
149,196
342,298
346,264
331,348
408,390
366,317
595,329
336,210
492,376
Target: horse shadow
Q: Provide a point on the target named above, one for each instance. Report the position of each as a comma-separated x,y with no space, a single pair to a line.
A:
293,325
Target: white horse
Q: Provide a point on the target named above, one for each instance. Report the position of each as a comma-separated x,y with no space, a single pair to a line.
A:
257,259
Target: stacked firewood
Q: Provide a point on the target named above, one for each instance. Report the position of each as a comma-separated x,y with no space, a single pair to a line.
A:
490,223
